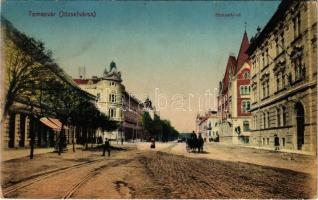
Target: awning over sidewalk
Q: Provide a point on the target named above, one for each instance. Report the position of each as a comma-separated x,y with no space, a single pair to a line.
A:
53,123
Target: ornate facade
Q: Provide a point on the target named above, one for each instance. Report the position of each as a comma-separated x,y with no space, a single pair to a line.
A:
284,78
115,102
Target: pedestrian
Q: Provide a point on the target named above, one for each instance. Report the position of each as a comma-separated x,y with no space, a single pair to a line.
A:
106,147
153,143
200,143
276,142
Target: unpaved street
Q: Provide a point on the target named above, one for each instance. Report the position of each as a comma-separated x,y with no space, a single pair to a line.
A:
136,173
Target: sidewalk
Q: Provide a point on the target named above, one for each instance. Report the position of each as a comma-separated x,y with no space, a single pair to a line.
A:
265,148
9,154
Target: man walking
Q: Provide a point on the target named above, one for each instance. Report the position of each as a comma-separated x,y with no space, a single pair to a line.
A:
106,147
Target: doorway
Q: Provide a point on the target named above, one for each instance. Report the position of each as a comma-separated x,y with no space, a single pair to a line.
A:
300,120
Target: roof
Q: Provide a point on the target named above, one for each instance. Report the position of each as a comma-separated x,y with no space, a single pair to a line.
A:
85,81
231,63
81,81
242,56
132,98
271,24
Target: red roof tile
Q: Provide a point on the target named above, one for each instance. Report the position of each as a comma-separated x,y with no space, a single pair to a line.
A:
231,63
81,81
242,55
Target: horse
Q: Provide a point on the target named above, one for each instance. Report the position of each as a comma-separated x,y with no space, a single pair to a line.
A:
194,143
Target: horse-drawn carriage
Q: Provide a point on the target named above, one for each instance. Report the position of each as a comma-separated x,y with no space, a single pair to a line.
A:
194,143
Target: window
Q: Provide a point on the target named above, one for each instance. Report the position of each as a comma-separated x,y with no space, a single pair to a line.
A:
267,57
246,126
278,82
111,112
277,47
268,120
267,88
296,24
113,98
284,113
283,141
245,89
247,75
278,116
245,106
298,68
282,40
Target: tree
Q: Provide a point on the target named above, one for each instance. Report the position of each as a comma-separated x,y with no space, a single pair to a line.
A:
160,129
146,122
88,116
25,59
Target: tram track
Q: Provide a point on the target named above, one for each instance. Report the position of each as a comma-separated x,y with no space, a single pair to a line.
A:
40,176
70,192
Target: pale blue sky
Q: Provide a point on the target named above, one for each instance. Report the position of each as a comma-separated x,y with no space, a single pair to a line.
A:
178,47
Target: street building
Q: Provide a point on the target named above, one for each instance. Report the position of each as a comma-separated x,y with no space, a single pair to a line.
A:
234,98
24,119
117,104
284,78
207,126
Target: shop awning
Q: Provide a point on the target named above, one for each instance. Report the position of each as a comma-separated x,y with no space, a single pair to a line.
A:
53,123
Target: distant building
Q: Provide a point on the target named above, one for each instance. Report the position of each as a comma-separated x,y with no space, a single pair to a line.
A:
284,78
234,98
207,126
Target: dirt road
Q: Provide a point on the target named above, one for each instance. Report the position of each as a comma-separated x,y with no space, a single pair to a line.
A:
156,174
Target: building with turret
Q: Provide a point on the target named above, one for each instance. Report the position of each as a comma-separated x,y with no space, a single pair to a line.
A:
116,103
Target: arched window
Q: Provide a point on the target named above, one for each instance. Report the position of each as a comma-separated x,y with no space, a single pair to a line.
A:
246,75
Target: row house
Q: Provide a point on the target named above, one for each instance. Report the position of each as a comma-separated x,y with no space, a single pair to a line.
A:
133,110
284,78
234,98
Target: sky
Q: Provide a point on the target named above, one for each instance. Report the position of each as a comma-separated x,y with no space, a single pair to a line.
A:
175,52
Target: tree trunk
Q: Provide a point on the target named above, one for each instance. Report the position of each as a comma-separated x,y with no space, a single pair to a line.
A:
73,136
32,137
60,139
